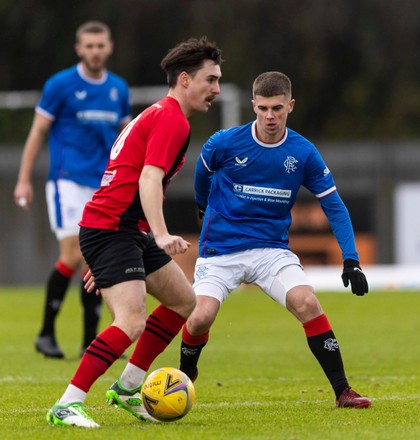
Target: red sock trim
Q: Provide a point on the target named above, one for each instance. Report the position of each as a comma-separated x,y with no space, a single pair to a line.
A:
171,319
64,269
189,339
108,346
317,326
162,326
116,338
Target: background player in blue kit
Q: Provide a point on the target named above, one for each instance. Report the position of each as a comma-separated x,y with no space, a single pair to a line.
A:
246,182
82,109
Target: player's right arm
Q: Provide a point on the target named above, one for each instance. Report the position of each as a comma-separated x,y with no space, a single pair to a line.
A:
204,170
202,183
23,193
151,196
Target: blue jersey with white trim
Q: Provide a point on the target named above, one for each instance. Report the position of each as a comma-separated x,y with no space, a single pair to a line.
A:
250,187
86,117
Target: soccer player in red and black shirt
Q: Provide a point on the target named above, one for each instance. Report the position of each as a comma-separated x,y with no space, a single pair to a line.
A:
125,241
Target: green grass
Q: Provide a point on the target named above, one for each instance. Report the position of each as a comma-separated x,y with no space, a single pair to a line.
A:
258,379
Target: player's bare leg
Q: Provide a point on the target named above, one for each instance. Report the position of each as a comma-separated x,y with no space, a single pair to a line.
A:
127,304
195,334
170,286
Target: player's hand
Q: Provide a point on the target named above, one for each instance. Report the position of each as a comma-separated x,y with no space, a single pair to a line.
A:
89,280
352,273
172,244
23,195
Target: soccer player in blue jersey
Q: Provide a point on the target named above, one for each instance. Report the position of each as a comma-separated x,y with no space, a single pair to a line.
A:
246,182
82,110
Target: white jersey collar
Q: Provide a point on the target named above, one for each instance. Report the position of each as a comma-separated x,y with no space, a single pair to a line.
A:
263,144
86,78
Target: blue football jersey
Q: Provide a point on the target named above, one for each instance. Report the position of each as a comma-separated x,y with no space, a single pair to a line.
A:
86,117
250,187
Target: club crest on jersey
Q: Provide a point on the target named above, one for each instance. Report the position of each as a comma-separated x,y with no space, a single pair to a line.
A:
108,177
290,164
241,162
113,94
80,94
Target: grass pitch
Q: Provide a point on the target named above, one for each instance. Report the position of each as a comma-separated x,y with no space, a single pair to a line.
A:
258,379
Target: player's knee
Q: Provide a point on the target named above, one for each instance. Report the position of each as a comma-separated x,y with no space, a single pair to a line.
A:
132,324
200,320
303,303
137,329
199,324
190,304
310,305
184,305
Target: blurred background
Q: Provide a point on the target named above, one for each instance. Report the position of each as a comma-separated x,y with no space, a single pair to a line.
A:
355,69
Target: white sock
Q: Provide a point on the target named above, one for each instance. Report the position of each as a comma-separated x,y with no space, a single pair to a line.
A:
132,377
71,395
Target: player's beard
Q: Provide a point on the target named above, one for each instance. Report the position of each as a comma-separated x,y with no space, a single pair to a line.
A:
95,66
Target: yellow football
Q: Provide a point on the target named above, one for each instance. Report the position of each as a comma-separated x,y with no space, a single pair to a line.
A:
168,394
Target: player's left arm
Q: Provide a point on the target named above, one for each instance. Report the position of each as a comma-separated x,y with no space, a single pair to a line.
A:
340,222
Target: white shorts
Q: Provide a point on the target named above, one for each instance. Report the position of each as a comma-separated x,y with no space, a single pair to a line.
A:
275,271
66,201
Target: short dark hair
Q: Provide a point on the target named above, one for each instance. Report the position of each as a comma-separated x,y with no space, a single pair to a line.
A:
92,27
189,56
272,84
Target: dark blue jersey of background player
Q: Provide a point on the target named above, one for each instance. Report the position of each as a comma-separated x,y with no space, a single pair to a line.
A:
87,115
81,111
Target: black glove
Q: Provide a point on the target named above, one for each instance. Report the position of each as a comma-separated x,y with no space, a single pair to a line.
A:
353,273
201,212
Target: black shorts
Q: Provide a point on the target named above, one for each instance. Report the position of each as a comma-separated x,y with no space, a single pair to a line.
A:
118,256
